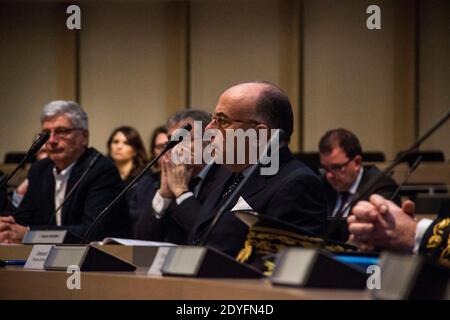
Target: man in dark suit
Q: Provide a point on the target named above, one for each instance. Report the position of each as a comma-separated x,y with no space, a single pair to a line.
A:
292,194
344,175
381,224
183,187
71,165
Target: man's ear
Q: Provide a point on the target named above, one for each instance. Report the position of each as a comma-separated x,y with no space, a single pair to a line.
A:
358,160
86,137
263,126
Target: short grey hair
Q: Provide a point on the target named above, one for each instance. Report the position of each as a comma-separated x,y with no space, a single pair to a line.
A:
195,114
70,109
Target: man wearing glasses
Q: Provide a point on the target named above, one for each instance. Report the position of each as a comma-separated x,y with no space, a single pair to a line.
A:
344,174
293,194
71,187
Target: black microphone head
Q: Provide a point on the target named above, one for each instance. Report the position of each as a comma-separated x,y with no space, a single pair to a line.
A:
188,127
177,138
40,141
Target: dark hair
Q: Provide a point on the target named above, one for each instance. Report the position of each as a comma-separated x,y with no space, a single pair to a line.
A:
195,114
342,138
157,131
134,140
274,108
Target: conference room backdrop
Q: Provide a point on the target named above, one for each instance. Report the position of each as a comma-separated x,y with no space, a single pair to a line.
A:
136,62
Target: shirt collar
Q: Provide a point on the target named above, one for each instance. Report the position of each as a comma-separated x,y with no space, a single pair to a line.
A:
355,184
64,173
202,174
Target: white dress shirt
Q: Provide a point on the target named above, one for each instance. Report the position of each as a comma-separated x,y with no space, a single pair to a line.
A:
61,180
160,204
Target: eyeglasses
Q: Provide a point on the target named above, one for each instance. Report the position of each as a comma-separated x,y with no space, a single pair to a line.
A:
223,121
61,132
335,168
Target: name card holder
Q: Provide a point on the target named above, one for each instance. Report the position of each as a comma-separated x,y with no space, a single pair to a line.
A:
50,237
204,262
87,258
411,277
38,256
314,268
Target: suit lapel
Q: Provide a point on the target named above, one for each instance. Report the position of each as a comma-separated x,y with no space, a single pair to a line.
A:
75,175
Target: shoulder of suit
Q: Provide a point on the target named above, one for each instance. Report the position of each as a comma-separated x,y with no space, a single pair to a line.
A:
41,165
101,162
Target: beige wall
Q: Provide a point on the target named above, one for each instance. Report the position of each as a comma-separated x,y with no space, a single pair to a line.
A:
137,65
435,71
123,70
352,74
236,41
31,57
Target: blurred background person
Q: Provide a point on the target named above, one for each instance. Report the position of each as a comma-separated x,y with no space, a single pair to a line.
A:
126,149
158,141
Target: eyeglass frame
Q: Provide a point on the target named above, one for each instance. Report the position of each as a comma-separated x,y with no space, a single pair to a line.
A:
336,168
62,132
217,118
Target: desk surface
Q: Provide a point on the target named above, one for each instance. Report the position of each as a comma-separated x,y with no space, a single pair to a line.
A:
17,283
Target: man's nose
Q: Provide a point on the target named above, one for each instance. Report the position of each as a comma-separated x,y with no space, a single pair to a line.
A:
330,175
53,138
211,125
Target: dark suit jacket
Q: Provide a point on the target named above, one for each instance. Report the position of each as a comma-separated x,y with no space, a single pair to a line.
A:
294,195
171,229
385,187
98,188
140,196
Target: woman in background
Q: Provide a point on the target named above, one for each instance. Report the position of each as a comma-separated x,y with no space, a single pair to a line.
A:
126,149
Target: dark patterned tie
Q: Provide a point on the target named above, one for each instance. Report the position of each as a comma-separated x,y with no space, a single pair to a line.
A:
345,196
234,182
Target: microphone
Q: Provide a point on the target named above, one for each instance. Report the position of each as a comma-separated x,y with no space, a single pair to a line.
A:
410,172
37,144
279,135
172,143
368,188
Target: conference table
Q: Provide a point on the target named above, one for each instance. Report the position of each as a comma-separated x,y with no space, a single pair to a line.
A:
19,283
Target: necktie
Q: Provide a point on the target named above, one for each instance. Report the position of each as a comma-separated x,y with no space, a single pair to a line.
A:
344,199
234,182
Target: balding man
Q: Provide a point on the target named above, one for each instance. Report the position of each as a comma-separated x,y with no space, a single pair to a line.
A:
292,193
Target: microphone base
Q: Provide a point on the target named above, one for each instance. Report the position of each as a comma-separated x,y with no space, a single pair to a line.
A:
205,262
86,258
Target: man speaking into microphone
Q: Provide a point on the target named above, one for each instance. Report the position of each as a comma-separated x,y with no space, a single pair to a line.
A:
71,187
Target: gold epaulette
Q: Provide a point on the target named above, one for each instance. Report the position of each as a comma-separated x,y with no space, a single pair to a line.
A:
265,240
438,238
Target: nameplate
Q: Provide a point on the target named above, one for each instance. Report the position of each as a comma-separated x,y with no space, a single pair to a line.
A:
38,256
44,237
158,261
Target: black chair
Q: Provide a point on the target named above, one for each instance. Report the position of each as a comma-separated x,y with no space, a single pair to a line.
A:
373,156
311,159
16,157
426,203
427,156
